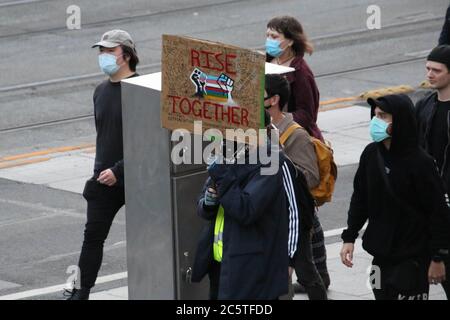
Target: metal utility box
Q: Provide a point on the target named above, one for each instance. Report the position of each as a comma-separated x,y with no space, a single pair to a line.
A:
161,223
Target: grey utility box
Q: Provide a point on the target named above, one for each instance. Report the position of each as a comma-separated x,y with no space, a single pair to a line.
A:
162,226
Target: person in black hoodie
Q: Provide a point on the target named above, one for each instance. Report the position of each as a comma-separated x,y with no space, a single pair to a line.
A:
397,188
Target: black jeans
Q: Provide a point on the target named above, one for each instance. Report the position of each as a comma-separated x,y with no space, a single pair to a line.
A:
103,203
307,273
404,280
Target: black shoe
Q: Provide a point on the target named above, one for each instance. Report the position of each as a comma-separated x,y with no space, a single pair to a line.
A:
298,288
77,294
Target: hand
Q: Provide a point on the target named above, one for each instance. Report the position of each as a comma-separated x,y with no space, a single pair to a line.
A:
210,197
107,177
436,272
347,254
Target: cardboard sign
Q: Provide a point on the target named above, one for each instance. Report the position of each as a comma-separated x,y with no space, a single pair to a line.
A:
218,84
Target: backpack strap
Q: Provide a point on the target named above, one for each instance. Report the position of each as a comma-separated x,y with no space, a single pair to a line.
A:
288,132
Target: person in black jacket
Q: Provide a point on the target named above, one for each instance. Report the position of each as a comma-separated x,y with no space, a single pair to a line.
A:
104,192
444,37
397,189
433,117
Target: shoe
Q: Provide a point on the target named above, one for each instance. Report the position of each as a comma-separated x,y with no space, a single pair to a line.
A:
77,294
298,288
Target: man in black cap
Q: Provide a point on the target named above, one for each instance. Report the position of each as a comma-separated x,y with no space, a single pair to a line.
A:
104,192
397,189
433,117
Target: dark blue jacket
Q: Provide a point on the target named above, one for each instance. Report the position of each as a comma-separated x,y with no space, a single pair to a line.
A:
255,236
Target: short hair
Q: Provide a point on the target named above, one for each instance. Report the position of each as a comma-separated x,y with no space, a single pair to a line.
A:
276,84
132,54
292,29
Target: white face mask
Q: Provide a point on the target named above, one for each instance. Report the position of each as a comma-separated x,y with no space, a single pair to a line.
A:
108,63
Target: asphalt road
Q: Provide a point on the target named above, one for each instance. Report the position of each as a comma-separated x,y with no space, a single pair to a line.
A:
48,73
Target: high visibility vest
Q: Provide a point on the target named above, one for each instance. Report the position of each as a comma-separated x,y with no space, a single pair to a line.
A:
218,235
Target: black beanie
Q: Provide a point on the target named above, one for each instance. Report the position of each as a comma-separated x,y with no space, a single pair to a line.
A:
440,54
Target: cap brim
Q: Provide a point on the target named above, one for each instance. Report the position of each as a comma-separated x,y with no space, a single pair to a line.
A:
106,44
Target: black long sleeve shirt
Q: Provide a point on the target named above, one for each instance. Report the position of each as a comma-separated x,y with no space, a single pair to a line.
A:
108,123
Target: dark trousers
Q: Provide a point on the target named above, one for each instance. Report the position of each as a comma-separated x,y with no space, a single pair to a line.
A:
319,251
404,280
103,203
307,273
446,283
214,280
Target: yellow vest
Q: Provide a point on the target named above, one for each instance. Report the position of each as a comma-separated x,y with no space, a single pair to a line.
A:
218,235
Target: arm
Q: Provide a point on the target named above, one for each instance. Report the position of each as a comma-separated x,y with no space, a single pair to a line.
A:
119,172
434,200
290,189
357,214
245,204
305,112
301,151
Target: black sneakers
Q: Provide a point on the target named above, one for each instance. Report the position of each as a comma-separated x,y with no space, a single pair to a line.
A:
77,294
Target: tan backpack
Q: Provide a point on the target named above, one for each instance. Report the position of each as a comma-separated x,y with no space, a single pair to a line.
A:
327,167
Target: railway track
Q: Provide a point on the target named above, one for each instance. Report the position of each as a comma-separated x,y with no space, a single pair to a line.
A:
322,42
88,116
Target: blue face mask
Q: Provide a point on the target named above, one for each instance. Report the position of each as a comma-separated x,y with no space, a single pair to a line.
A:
273,47
378,129
107,63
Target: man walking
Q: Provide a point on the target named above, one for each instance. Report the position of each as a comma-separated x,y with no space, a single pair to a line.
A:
397,189
433,117
104,192
300,149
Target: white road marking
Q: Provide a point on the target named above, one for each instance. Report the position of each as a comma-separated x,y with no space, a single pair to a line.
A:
61,287
112,277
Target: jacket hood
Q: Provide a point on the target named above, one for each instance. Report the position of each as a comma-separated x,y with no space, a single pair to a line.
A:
404,127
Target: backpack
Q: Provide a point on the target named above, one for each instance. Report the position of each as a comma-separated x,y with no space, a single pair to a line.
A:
327,167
